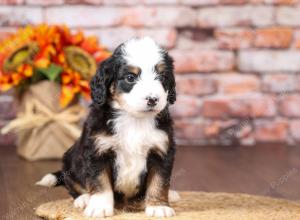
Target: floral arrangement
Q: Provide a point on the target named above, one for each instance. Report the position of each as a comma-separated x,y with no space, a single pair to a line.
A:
54,53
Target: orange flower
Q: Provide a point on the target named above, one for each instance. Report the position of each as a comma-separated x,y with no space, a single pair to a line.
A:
85,89
49,43
5,82
25,70
101,55
90,44
16,78
42,62
76,38
67,95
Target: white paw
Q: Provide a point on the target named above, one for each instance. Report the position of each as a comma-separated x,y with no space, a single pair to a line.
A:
100,205
159,211
82,201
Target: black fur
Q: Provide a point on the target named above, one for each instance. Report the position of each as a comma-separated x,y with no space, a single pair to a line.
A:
82,164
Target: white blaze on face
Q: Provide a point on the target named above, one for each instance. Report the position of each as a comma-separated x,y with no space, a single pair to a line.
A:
145,54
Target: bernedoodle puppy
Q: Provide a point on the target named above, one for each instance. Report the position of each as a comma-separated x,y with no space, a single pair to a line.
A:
124,157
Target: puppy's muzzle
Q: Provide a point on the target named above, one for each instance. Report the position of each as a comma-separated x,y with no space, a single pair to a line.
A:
151,101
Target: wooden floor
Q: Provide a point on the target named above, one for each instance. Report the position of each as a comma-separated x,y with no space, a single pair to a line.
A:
263,170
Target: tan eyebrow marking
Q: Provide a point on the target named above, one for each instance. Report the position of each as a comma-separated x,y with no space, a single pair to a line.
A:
160,67
134,69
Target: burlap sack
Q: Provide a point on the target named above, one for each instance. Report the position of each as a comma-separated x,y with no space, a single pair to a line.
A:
43,129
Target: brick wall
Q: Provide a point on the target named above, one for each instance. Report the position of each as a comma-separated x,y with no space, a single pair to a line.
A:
237,61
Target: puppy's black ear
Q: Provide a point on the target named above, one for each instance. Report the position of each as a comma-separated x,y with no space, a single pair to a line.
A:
171,79
100,83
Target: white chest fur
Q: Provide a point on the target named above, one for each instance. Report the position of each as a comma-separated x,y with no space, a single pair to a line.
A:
133,139
137,136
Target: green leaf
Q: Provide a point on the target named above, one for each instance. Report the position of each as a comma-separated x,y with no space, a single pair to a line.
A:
52,72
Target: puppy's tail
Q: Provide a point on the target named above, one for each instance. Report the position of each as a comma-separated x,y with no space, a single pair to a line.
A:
52,180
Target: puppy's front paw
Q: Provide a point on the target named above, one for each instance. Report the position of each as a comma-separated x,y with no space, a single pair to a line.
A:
82,201
97,211
159,211
100,205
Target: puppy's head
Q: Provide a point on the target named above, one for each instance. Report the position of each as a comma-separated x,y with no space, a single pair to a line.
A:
138,79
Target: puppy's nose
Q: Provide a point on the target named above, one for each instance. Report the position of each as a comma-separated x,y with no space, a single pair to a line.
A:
151,101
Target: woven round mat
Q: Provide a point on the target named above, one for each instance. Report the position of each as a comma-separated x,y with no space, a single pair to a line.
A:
195,205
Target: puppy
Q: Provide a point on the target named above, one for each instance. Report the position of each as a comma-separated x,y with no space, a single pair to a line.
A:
125,154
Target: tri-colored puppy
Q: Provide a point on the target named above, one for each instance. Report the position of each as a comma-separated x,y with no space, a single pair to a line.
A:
125,154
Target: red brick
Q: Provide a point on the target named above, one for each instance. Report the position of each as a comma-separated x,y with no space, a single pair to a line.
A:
281,2
11,2
122,2
296,42
162,2
187,61
44,2
213,129
20,15
297,82
295,130
216,108
243,106
234,38
288,16
237,2
229,132
159,17
257,106
146,2
269,61
199,2
189,129
195,85
279,83
237,83
226,16
244,132
271,131
186,43
136,2
186,107
111,37
139,16
255,2
276,37
94,2
289,105
166,37
93,16
196,39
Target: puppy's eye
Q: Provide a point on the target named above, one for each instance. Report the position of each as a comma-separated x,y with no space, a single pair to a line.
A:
130,78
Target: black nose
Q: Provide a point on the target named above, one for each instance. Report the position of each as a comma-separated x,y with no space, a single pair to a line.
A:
151,101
